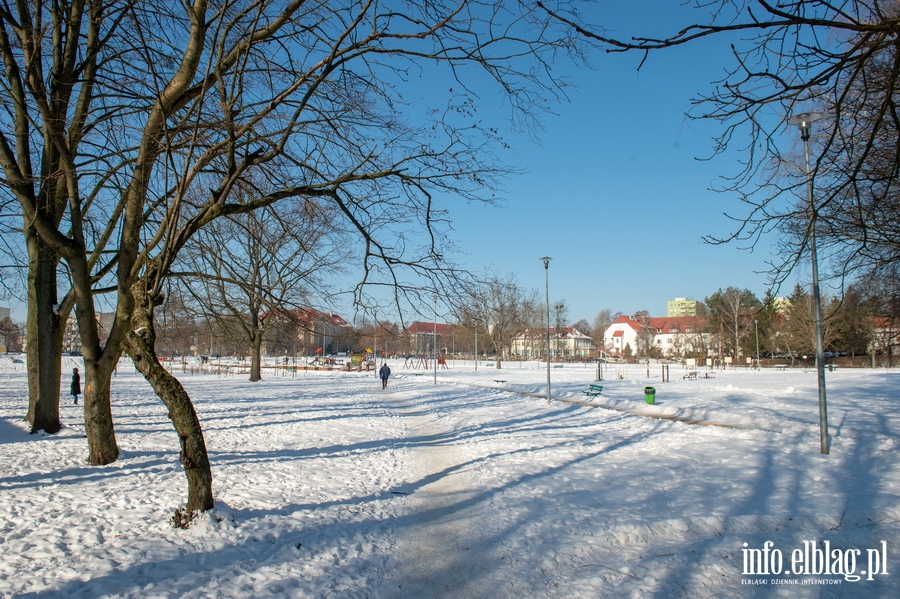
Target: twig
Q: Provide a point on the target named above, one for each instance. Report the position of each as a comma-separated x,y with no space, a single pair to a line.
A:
841,521
872,524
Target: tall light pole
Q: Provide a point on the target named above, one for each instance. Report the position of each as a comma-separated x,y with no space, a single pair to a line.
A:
804,123
434,341
756,326
546,261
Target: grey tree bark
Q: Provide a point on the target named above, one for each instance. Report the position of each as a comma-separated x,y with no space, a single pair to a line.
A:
43,337
193,455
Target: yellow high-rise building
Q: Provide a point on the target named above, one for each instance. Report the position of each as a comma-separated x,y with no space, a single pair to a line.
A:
681,306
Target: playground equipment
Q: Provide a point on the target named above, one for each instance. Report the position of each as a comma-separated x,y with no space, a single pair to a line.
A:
360,362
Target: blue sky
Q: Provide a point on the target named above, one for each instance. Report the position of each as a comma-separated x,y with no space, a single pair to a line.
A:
615,192
613,189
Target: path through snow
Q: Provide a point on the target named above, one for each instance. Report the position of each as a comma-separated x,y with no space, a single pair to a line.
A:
441,553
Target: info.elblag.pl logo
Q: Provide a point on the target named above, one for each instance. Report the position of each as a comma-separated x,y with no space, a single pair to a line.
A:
812,560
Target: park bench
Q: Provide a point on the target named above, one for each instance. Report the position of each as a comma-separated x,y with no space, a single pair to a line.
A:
691,375
491,365
779,366
594,390
499,381
557,365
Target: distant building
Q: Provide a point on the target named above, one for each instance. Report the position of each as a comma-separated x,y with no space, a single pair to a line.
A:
4,313
781,305
306,332
72,339
885,337
681,306
567,343
420,336
317,331
672,336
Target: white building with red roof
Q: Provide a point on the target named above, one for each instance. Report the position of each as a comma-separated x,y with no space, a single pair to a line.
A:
670,336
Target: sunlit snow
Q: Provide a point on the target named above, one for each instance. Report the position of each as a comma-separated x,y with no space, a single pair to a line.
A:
327,486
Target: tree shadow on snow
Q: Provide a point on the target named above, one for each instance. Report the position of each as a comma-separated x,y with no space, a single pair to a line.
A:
10,433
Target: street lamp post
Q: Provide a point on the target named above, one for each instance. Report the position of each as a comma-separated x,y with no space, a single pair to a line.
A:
756,326
546,261
804,123
434,341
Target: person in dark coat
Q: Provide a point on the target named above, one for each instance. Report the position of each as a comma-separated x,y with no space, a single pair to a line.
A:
384,373
75,389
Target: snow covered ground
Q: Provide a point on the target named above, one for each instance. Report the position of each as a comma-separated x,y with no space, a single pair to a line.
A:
327,486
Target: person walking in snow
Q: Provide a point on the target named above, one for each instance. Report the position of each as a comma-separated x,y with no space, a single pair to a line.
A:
384,373
75,388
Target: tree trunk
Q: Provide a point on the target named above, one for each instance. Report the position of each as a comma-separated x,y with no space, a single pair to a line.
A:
140,347
43,337
98,423
99,365
256,358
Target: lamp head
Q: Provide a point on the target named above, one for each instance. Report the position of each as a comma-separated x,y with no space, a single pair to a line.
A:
546,262
804,121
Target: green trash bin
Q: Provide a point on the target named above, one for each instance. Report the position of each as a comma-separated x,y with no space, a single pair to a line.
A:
650,395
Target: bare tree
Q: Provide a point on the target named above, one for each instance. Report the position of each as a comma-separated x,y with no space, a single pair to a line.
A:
601,322
11,335
178,322
644,340
732,311
801,324
120,144
583,326
502,309
559,315
246,269
841,59
13,255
